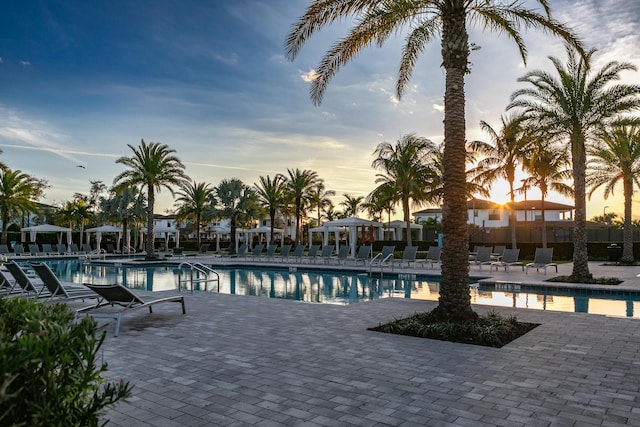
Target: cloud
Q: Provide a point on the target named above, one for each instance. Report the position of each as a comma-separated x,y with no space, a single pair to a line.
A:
438,107
25,63
310,76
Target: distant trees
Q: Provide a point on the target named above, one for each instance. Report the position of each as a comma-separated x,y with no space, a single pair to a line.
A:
193,201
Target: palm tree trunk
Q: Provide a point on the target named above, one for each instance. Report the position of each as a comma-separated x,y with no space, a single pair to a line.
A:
232,242
512,217
454,303
405,211
198,230
5,228
272,219
627,231
544,225
150,225
580,255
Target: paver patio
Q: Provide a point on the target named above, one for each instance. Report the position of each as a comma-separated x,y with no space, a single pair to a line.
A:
241,360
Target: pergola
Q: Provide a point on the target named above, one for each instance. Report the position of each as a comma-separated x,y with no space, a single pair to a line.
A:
398,228
164,231
352,224
108,229
266,230
326,231
45,228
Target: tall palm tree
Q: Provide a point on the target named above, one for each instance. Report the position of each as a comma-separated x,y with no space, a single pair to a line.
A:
501,158
153,167
238,202
427,20
573,107
617,160
122,209
381,200
18,194
192,203
271,196
351,204
320,198
548,169
405,172
299,184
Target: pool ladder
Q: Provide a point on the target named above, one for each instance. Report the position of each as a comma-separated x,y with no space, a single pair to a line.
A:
382,263
190,280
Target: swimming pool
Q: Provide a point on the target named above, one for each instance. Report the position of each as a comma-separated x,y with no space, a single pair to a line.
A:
346,287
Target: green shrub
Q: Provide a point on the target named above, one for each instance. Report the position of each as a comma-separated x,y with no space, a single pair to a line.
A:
49,375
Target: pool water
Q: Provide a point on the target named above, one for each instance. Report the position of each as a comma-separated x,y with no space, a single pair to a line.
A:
342,287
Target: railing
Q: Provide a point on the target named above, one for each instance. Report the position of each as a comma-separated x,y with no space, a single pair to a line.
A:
381,262
197,267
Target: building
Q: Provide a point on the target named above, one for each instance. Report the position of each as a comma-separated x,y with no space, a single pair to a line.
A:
488,214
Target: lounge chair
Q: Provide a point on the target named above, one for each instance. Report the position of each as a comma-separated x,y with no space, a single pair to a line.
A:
204,248
257,251
271,252
541,260
56,288
73,248
177,252
86,248
497,253
298,252
4,250
62,249
18,250
408,256
483,257
343,255
23,282
242,251
119,295
34,249
313,253
284,252
364,255
326,254
47,249
433,256
509,259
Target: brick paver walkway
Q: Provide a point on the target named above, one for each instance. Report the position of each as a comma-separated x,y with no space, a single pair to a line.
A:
245,361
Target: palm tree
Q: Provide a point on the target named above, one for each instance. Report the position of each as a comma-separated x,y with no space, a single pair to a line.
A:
271,196
406,172
18,194
376,21
122,208
192,203
574,107
379,201
548,168
299,184
237,202
153,167
320,198
617,160
434,193
501,159
351,204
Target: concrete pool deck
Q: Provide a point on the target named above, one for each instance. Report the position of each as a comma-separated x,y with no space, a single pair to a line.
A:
253,361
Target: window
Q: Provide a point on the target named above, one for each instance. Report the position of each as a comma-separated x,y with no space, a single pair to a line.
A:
494,215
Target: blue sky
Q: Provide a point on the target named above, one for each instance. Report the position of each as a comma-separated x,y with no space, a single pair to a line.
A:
81,80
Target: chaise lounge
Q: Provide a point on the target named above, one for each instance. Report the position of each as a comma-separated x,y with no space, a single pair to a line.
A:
119,295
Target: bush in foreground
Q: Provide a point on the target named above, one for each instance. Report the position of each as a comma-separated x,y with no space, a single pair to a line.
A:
490,330
49,375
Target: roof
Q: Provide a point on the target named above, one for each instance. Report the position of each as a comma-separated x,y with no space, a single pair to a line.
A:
537,204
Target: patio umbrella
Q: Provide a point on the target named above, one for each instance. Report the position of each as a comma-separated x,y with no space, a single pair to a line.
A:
371,238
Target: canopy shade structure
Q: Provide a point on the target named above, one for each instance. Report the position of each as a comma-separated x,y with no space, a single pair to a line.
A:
164,231
264,230
325,234
219,230
352,224
108,229
45,228
399,227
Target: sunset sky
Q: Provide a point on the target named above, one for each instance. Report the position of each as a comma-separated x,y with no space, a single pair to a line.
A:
81,80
